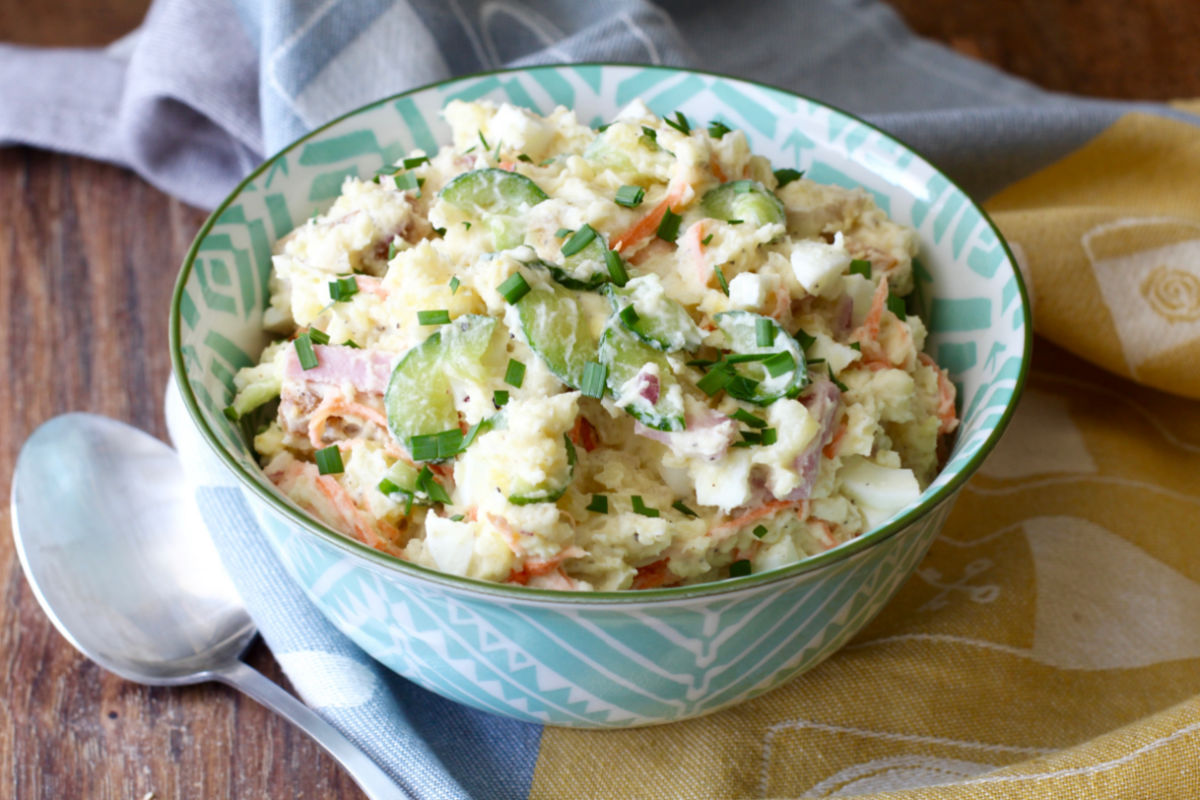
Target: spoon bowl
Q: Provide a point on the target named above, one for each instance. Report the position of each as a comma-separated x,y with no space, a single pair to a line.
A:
116,554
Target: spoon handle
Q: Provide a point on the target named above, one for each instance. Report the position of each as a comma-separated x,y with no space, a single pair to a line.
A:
376,783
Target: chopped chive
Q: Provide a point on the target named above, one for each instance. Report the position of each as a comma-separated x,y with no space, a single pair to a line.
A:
514,287
429,485
599,504
470,149
741,386
343,288
751,437
721,280
329,460
895,304
680,123
408,182
616,267
742,415
525,158
764,332
470,435
563,233
352,344
735,221
390,169
741,444
454,284
424,447
717,129
780,363
594,376
786,176
431,446
860,266
742,358
700,362
804,339
546,161
582,238
856,346
668,226
629,316
457,518
740,568
391,250
440,231
604,127
304,351
649,138
641,508
500,398
514,374
630,196
706,239
759,531
682,508
437,317
483,141
715,380
415,161
769,436
841,386
812,362
466,225
318,336
231,413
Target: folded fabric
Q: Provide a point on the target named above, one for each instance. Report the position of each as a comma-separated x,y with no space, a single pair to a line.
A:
1048,646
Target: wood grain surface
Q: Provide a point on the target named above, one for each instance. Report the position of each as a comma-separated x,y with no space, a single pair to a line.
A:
88,256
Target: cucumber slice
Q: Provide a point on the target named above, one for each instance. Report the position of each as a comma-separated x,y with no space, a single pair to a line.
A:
419,398
493,191
762,388
586,270
557,330
497,198
657,399
748,201
657,320
548,490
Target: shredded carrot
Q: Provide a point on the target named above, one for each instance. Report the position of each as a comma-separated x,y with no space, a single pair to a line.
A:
826,531
584,435
723,529
369,283
831,450
717,172
645,227
867,334
537,567
337,406
946,413
653,575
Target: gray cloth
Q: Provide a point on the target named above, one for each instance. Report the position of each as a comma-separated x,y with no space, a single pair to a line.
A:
198,95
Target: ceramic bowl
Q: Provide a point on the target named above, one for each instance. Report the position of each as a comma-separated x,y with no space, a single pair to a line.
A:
614,659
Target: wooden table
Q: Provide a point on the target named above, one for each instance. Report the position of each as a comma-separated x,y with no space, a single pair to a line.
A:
88,255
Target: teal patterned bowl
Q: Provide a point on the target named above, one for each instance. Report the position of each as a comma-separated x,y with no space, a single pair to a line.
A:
605,659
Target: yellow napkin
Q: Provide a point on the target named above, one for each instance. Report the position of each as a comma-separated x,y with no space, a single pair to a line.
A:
1049,645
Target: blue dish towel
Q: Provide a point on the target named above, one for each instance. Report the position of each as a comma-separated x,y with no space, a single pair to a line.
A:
193,99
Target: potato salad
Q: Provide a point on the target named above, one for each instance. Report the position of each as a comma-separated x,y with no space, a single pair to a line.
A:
595,359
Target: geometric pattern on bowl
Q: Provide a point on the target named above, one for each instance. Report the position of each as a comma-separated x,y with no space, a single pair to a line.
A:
573,659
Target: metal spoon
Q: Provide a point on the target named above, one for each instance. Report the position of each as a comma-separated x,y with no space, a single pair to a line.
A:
124,570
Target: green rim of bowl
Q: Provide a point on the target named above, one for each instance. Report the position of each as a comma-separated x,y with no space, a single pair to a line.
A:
512,592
